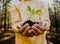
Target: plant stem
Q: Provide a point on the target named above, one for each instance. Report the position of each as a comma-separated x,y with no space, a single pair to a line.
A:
30,16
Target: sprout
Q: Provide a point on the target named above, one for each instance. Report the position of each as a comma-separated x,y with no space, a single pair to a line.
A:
33,11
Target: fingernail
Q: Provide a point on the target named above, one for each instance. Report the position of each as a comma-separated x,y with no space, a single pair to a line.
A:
27,24
35,24
30,31
32,26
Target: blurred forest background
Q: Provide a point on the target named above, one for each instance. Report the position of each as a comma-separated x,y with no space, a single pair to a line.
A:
7,35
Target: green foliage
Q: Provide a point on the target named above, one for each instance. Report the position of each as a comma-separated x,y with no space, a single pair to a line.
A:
33,11
29,8
37,11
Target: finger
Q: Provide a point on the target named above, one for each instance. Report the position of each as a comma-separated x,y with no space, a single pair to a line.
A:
35,25
44,23
29,33
39,22
37,30
18,27
42,28
34,32
23,28
25,31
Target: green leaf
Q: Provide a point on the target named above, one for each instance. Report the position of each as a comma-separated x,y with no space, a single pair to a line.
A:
38,12
29,8
33,11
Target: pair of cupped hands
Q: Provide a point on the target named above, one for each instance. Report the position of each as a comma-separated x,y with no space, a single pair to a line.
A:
34,30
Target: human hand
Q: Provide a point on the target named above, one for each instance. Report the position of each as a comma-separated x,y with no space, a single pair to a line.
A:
38,28
24,29
35,30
